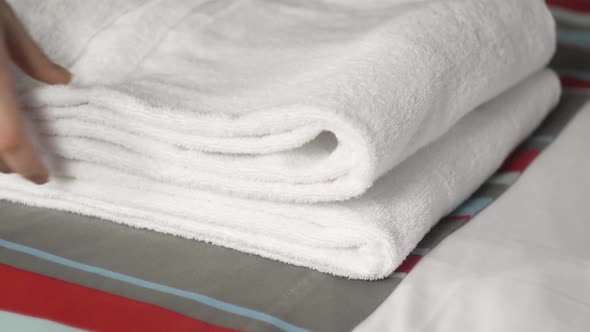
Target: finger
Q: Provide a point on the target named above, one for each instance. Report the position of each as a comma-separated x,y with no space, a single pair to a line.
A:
24,160
4,169
16,149
28,56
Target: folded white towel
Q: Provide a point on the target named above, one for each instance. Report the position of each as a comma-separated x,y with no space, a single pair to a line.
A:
283,100
365,237
184,113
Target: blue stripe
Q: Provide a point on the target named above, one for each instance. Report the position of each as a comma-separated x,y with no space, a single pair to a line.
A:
573,37
472,206
540,139
420,251
224,306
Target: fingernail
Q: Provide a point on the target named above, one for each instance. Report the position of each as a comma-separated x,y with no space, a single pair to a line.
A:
38,179
65,75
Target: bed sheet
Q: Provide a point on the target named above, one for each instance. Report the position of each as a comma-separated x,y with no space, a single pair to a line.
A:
523,264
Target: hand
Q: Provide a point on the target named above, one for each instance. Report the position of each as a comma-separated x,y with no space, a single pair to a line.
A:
17,153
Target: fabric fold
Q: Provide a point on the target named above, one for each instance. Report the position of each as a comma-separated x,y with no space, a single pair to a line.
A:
365,238
306,102
329,134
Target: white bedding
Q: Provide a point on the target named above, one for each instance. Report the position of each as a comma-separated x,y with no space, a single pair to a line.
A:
521,265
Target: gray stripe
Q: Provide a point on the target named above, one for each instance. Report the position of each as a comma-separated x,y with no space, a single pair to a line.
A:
300,296
179,305
569,105
491,190
573,59
576,21
439,232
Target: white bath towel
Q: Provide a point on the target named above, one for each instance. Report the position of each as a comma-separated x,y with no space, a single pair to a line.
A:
283,100
197,118
365,237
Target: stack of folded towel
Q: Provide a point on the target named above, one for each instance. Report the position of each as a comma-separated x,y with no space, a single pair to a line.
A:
330,134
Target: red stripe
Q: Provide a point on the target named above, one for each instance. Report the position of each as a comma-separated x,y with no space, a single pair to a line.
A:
573,82
582,6
409,263
520,160
74,305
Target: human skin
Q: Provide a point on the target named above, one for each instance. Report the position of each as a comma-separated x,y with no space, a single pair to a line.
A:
17,153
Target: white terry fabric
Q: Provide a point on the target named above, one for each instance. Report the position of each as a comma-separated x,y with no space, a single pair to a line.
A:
284,100
185,113
366,237
521,265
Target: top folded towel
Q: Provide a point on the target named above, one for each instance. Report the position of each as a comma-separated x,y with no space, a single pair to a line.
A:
286,100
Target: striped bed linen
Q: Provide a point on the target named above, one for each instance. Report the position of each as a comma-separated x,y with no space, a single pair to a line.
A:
64,272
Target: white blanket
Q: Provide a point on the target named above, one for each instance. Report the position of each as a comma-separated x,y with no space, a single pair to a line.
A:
181,107
521,265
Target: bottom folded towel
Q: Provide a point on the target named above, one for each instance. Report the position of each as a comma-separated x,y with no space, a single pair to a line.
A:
365,238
